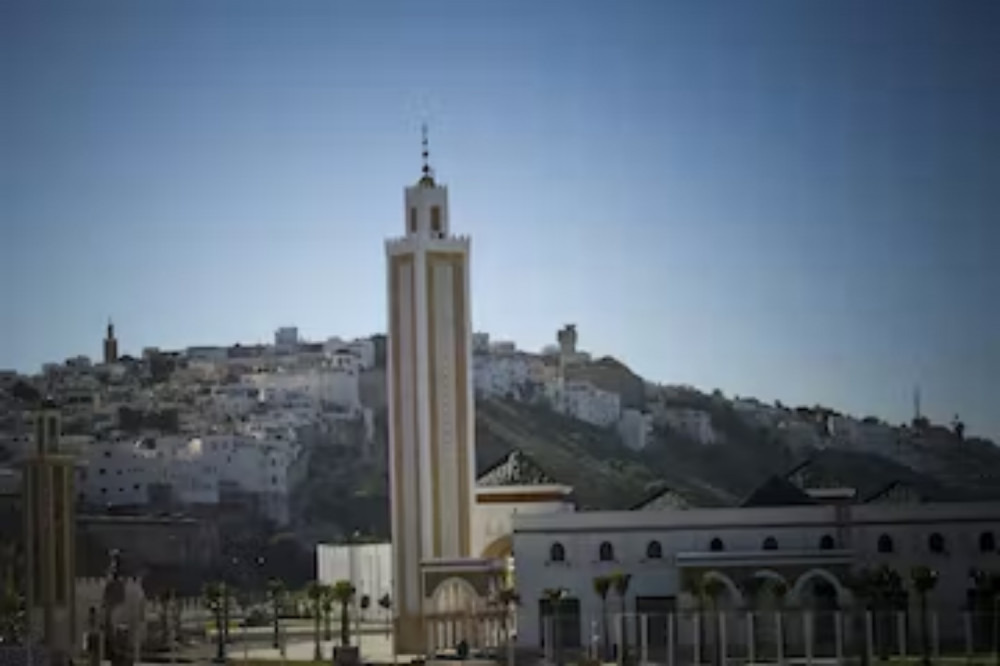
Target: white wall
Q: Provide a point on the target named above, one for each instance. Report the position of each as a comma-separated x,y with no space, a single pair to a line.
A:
798,531
367,566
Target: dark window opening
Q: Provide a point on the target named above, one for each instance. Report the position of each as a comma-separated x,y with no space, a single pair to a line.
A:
606,552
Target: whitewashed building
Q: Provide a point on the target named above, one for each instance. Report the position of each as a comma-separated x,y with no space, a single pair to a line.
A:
812,550
586,402
635,428
693,423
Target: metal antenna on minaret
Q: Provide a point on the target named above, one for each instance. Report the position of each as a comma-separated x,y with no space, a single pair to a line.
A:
426,152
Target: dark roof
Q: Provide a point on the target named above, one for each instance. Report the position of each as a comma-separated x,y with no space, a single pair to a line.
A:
777,491
661,491
514,469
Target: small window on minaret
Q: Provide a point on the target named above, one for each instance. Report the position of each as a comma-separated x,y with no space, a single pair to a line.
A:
436,219
413,220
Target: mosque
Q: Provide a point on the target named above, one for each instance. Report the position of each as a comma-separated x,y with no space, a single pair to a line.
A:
453,535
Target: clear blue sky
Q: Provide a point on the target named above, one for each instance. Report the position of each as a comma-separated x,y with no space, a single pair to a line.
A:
794,200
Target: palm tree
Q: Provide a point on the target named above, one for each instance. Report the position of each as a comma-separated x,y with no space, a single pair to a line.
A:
343,593
327,604
316,593
924,579
713,588
887,589
507,598
215,597
779,589
693,586
987,592
276,594
602,584
620,581
554,596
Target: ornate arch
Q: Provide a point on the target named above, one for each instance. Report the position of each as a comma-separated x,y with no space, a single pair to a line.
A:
733,588
454,594
844,597
499,548
771,575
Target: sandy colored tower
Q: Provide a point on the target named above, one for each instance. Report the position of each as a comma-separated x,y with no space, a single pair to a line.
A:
110,344
49,531
431,407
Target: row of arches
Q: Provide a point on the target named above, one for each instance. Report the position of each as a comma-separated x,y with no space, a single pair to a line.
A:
818,581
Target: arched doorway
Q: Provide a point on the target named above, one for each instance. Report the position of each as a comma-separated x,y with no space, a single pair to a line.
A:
453,607
822,595
768,605
502,548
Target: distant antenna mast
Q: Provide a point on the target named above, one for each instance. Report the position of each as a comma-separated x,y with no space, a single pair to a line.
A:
916,403
428,174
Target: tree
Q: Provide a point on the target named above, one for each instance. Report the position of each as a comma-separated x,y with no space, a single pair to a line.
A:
316,593
216,599
327,604
602,585
276,595
554,596
343,593
924,579
508,599
713,588
620,581
986,590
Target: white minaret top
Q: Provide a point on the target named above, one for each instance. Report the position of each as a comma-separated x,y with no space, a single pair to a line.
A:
427,203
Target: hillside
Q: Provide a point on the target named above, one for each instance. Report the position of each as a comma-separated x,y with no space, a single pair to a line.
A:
346,491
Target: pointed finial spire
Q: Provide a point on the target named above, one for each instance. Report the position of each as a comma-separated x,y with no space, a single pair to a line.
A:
427,177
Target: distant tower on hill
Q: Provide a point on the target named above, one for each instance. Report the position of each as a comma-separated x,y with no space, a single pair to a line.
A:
916,404
110,344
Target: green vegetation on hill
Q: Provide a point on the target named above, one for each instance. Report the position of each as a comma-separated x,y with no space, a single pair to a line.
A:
345,495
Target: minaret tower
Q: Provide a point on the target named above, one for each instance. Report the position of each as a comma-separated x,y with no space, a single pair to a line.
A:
50,539
110,344
431,408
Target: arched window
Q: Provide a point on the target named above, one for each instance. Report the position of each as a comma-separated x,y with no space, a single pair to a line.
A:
606,553
936,543
413,220
557,553
770,543
826,543
885,544
654,551
987,542
716,546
